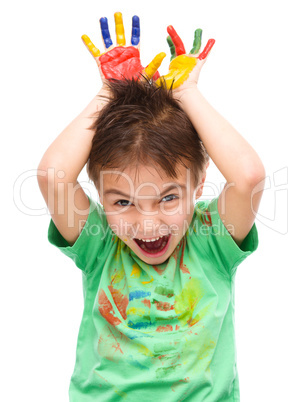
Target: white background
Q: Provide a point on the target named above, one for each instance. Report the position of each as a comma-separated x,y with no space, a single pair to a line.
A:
252,77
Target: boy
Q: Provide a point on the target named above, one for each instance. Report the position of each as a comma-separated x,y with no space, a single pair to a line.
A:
158,268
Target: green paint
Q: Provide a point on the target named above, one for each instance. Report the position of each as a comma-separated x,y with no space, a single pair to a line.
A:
197,43
161,348
171,48
164,371
170,317
164,291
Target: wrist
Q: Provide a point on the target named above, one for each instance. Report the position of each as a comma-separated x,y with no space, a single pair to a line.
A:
186,94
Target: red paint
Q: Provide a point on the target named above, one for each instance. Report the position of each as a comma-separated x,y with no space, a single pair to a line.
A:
117,345
163,306
146,302
121,301
177,41
207,49
183,267
121,62
164,328
156,76
106,309
160,271
206,218
177,327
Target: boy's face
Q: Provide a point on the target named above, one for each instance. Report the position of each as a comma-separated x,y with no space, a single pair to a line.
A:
141,205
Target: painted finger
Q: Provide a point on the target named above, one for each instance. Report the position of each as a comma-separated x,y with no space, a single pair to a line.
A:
135,31
90,46
105,32
120,38
207,49
153,66
179,46
197,43
171,48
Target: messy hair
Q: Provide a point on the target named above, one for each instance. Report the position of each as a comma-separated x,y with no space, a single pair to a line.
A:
143,124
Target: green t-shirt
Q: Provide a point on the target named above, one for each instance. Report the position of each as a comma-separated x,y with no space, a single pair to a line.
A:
165,332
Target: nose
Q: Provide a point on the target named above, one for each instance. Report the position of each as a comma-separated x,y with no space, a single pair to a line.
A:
147,225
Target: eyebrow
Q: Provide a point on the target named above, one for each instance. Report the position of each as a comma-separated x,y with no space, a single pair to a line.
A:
169,188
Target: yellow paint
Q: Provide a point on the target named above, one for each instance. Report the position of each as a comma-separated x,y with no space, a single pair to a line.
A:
145,282
120,38
179,70
186,301
117,277
91,47
136,271
201,314
135,311
145,351
154,64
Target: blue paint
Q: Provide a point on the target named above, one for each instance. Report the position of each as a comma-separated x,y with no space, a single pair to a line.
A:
135,31
135,363
139,325
105,32
138,294
138,335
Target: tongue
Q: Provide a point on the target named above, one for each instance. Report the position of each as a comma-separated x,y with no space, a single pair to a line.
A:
152,245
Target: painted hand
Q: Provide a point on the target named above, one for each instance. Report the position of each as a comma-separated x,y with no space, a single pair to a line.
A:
184,69
120,61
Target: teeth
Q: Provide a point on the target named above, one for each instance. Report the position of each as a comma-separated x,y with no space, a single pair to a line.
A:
148,240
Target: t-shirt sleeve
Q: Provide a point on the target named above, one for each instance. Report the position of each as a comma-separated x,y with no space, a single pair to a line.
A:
93,242
222,247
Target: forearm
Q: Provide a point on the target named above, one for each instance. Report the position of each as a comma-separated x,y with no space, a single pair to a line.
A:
231,153
69,152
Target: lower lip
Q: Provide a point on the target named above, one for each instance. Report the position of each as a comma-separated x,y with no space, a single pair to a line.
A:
156,255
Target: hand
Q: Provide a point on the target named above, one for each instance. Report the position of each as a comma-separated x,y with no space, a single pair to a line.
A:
121,62
184,69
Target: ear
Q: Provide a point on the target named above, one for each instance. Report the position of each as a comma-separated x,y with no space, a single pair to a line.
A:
200,187
99,196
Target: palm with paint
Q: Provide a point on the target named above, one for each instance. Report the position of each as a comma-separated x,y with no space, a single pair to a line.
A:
184,69
122,62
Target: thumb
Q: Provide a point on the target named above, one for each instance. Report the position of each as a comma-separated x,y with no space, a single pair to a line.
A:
153,66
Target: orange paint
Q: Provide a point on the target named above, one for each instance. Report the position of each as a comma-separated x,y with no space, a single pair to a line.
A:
106,309
146,302
121,301
163,306
164,328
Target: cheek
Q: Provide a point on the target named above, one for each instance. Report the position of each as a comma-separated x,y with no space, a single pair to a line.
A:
178,223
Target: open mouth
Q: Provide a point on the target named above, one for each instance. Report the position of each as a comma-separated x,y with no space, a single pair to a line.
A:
154,248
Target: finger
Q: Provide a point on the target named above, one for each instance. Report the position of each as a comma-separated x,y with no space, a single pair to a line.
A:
135,31
105,32
153,66
197,43
171,48
90,46
179,46
207,49
120,38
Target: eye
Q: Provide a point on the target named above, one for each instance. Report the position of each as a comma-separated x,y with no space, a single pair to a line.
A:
170,197
123,203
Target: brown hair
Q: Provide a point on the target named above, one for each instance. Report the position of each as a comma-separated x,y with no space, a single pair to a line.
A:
143,124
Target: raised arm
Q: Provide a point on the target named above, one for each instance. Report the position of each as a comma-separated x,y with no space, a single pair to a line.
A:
59,169
231,153
67,155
